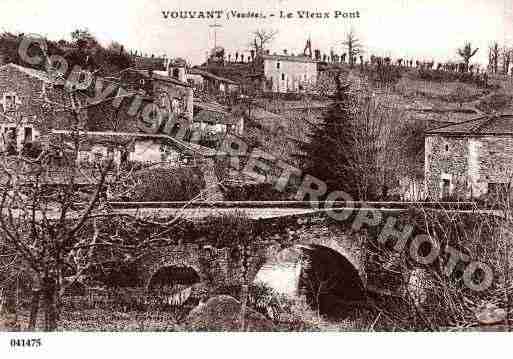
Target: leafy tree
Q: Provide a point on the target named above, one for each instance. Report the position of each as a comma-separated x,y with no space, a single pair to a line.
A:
328,155
83,38
466,52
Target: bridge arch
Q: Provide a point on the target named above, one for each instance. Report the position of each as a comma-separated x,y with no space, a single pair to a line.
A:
173,284
331,259
172,274
175,259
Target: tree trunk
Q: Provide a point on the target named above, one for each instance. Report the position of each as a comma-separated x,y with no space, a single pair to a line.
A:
243,307
34,309
49,304
8,300
350,45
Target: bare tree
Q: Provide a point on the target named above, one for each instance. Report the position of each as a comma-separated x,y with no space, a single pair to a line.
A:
354,46
261,39
42,226
51,203
375,135
493,56
507,55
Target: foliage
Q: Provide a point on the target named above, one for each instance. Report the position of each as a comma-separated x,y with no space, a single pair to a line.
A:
261,298
412,151
84,51
383,74
253,192
467,52
167,184
439,297
330,150
452,76
495,102
227,230
10,43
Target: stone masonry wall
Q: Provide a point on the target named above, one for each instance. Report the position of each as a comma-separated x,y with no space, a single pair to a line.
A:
29,89
218,267
446,158
470,163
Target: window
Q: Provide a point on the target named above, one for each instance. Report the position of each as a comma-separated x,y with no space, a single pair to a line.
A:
177,106
83,157
446,188
10,101
110,154
28,134
446,148
97,156
278,65
9,137
283,77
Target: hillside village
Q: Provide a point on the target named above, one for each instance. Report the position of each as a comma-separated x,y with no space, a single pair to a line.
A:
112,165
268,100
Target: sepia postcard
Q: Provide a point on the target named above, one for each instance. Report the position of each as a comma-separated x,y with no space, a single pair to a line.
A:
254,166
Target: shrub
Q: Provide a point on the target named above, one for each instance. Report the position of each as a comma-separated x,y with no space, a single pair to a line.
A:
168,184
386,75
253,192
495,102
261,298
451,76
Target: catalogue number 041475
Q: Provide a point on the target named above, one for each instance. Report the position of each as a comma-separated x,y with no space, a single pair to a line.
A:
26,343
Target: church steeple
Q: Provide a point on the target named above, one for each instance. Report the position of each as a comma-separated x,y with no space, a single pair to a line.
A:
308,48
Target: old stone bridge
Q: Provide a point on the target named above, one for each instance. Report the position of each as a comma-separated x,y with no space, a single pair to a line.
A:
308,229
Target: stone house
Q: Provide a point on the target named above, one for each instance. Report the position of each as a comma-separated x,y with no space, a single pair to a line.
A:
31,104
172,95
208,82
469,159
213,118
288,73
123,147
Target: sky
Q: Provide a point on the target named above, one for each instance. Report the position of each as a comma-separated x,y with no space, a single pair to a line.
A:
417,29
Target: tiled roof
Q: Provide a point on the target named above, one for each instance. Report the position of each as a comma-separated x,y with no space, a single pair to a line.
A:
299,58
188,147
213,112
259,114
211,106
483,125
196,71
159,77
215,117
40,75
